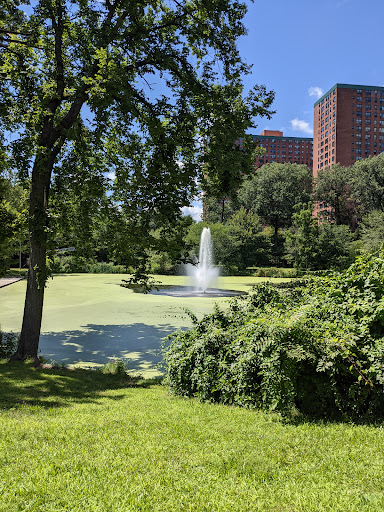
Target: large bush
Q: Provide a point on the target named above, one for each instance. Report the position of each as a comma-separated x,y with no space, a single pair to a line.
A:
317,348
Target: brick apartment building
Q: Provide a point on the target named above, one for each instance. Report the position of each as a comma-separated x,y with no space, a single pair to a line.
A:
282,149
348,125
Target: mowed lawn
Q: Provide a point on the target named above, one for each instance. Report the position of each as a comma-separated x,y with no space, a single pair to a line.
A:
84,442
89,319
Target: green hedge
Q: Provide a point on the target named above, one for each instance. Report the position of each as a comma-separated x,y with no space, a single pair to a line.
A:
73,265
318,349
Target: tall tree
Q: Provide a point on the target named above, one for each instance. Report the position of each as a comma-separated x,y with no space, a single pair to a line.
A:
118,86
333,193
274,190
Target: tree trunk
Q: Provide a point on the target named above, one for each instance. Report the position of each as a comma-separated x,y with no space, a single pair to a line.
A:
222,210
33,308
37,266
276,235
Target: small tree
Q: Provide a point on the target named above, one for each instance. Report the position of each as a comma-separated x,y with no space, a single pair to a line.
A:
368,183
372,231
313,246
13,225
302,239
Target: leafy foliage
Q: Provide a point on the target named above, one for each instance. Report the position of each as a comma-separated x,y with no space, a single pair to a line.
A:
318,348
372,231
368,183
116,367
77,89
333,191
314,246
273,191
13,228
238,243
8,344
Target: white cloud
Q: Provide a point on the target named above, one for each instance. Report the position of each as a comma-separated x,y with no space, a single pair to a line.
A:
301,126
111,176
194,211
316,91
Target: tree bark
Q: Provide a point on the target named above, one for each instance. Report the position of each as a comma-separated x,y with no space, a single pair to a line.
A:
37,266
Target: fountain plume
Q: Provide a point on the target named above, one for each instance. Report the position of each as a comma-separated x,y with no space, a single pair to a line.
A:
205,274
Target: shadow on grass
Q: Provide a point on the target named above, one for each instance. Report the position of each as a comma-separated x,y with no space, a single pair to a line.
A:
21,384
138,344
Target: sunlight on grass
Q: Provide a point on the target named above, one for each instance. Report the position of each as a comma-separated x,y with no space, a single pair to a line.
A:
109,447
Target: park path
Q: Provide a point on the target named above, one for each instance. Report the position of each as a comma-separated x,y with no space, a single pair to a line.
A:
5,281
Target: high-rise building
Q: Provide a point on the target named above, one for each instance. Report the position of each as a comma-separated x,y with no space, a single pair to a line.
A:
348,125
282,149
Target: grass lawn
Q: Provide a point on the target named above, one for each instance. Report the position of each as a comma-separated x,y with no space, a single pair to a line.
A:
89,319
82,441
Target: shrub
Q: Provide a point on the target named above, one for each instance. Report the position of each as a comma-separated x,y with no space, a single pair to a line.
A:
317,348
73,265
115,367
273,272
8,344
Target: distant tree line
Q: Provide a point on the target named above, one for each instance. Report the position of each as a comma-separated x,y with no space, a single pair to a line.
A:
296,220
279,216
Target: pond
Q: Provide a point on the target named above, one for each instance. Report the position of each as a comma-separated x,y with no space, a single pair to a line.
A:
90,319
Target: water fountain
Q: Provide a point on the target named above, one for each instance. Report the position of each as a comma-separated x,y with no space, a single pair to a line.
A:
204,274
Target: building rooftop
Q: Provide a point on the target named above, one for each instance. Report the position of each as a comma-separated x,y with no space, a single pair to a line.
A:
350,86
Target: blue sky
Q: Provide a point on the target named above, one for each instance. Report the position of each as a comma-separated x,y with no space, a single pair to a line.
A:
301,48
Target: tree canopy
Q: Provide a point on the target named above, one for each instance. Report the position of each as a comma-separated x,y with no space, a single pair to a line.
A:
133,90
273,191
333,191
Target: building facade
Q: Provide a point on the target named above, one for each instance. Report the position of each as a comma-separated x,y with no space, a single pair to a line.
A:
282,149
348,125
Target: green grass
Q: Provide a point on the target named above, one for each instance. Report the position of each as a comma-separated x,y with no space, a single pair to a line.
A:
83,441
89,319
